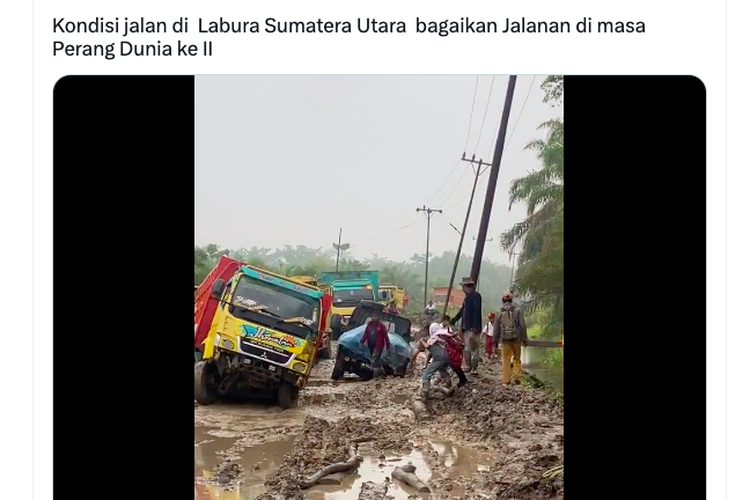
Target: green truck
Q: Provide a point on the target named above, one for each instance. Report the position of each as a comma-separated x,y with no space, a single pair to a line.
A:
348,289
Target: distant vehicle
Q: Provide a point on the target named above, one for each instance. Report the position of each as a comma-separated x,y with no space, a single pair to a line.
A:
390,293
348,289
355,358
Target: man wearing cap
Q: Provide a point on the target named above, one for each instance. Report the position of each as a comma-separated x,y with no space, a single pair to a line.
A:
470,315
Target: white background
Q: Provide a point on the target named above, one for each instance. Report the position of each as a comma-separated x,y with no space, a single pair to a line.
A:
683,37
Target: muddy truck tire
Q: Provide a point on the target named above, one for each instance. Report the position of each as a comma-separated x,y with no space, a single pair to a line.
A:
206,378
336,328
326,352
288,395
338,368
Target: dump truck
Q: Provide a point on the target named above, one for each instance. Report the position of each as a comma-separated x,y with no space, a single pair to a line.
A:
391,293
264,335
347,290
205,307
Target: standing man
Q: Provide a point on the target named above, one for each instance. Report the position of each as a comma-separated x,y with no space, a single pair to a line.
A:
510,332
470,315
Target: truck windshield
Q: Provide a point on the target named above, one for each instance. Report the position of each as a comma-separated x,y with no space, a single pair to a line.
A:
265,298
352,296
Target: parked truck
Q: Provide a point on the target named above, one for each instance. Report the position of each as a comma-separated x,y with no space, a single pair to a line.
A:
392,293
347,289
205,306
256,332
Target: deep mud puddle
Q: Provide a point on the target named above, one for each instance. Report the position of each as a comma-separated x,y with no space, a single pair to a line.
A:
375,468
438,460
239,483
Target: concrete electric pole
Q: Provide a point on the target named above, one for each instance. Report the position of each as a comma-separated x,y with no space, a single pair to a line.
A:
478,170
429,212
492,182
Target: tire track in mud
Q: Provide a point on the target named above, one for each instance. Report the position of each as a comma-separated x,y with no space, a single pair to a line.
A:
486,441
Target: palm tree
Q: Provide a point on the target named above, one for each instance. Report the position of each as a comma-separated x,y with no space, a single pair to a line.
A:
541,233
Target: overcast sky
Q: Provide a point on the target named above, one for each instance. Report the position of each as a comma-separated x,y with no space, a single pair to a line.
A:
291,159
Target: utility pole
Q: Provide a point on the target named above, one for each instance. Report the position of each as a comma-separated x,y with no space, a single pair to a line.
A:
477,172
340,247
492,183
429,212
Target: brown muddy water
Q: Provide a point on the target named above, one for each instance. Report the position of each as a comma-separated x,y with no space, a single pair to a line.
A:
257,438
258,459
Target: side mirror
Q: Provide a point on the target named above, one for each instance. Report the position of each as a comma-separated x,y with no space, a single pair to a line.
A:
217,289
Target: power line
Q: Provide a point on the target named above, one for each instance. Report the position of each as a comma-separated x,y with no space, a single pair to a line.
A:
518,118
386,233
471,116
455,185
486,107
428,212
466,143
445,181
461,199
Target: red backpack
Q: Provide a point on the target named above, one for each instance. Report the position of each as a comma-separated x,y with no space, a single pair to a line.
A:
455,353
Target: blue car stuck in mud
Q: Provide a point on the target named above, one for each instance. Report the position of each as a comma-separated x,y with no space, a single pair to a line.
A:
355,358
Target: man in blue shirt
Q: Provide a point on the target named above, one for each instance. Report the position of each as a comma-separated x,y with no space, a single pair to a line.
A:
470,315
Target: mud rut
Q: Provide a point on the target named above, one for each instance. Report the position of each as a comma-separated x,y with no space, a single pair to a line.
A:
485,441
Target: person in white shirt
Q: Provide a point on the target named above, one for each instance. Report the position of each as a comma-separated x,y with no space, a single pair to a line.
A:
487,332
430,310
439,357
433,330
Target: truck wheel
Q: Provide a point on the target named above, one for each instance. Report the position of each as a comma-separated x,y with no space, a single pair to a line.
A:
288,395
325,353
206,386
336,329
338,368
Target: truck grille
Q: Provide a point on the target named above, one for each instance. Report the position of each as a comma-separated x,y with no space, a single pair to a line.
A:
275,357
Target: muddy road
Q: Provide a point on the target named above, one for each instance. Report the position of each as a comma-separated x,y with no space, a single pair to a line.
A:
485,441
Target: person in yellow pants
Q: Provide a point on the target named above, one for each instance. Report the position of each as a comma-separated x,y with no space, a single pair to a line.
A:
510,331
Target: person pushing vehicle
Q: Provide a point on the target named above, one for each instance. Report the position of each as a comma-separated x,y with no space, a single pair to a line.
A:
377,341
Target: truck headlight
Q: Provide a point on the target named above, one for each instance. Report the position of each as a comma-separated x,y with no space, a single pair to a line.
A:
227,344
299,367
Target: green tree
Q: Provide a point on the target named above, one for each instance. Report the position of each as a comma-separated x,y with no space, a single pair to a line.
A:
553,87
541,233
